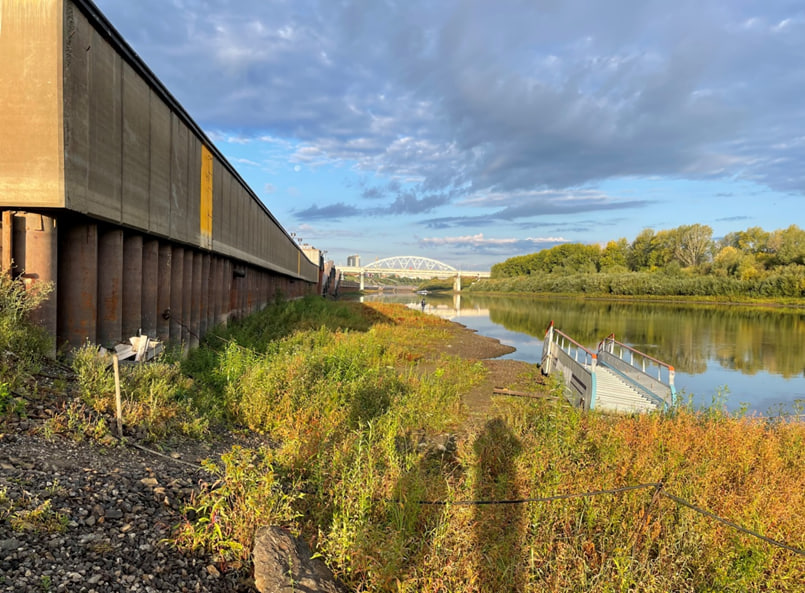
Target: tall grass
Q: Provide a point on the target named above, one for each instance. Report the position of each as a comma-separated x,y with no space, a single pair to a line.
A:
365,413
364,426
23,345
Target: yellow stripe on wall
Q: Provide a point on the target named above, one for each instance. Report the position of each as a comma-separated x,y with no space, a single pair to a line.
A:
206,197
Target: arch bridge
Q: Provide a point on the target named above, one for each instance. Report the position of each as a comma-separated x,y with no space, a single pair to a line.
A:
412,266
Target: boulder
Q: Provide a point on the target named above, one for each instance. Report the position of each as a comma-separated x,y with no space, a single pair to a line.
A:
283,563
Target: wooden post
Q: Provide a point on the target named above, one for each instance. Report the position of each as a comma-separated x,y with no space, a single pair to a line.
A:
118,402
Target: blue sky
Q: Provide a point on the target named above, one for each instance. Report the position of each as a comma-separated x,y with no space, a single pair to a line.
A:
471,131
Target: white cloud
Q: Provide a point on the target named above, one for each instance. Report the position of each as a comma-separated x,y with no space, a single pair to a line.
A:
479,239
496,103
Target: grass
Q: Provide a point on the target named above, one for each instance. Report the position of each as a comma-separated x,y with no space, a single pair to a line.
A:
358,415
362,422
22,344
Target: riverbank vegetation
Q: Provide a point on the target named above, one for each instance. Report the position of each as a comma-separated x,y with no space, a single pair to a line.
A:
355,436
685,261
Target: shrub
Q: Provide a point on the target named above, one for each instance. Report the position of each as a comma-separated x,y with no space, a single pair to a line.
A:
22,344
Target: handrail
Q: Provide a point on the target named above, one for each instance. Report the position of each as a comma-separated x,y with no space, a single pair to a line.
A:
608,345
611,338
575,343
565,343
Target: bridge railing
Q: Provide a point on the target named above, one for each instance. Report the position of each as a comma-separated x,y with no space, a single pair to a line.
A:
654,376
576,364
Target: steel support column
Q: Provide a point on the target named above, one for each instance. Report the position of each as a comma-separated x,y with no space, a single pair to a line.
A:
225,282
150,289
35,253
78,290
195,311
206,294
215,290
110,286
177,293
187,302
164,283
132,285
6,242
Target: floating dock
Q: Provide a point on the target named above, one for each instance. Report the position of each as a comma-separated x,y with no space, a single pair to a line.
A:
615,378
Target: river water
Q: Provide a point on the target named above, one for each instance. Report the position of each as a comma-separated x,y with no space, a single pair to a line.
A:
729,355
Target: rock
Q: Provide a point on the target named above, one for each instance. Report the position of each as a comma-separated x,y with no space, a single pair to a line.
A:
10,544
113,513
212,571
283,563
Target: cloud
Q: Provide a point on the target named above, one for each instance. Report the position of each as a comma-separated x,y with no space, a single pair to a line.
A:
478,243
519,207
373,193
498,97
333,212
247,162
409,203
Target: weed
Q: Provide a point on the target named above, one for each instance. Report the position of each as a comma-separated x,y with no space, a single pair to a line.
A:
40,518
358,399
22,344
222,518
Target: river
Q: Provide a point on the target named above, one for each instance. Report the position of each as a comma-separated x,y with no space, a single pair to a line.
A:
733,356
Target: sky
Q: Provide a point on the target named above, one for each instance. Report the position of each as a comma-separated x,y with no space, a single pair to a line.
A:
471,131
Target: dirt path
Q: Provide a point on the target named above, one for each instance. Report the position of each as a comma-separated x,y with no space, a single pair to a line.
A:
509,374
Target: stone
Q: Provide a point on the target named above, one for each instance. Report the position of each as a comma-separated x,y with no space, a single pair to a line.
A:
10,544
283,563
212,571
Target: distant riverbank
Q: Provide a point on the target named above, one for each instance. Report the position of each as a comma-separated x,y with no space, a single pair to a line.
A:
780,288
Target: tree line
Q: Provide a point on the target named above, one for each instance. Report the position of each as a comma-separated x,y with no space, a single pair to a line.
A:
686,260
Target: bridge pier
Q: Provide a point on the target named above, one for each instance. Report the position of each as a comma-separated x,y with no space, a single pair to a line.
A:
362,280
457,283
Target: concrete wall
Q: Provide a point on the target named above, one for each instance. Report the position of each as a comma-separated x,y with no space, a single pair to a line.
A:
134,159
85,125
31,155
111,191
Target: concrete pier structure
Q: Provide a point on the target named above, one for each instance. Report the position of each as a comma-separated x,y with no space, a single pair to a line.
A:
111,193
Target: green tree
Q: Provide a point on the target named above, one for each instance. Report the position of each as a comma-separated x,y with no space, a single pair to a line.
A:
614,255
727,260
788,246
752,240
651,250
692,244
569,258
639,254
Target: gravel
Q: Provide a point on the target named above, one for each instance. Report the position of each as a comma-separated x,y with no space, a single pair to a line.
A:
94,517
79,517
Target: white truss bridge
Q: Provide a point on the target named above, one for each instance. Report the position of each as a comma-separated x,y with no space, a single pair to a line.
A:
412,266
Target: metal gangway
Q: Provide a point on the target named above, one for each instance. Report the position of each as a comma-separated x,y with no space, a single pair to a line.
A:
615,378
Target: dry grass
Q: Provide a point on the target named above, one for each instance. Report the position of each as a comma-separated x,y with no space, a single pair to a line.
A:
366,412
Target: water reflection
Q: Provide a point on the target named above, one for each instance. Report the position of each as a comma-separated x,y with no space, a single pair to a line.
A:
709,345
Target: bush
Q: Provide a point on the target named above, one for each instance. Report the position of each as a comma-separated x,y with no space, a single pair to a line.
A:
22,344
786,282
